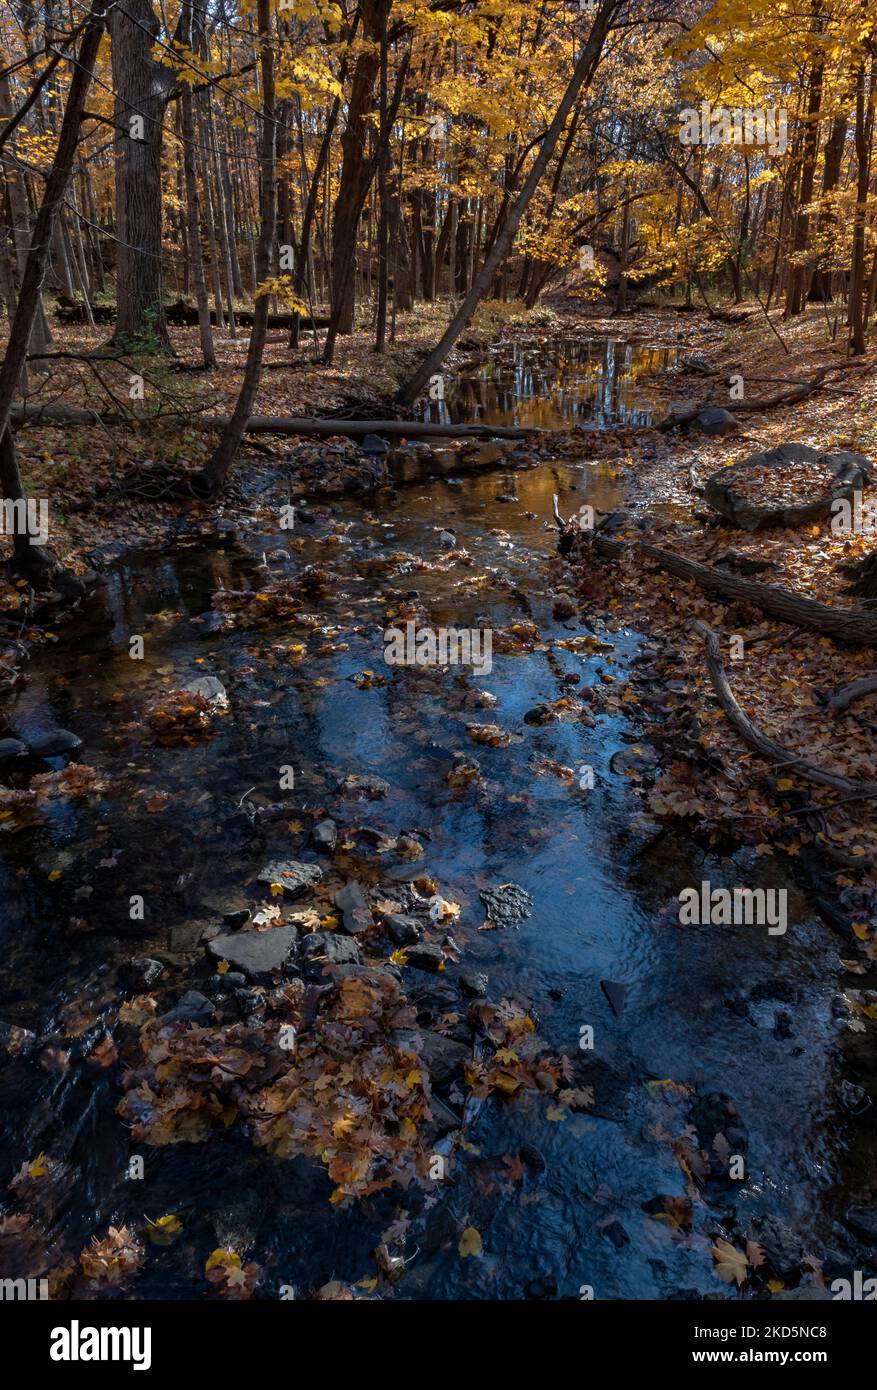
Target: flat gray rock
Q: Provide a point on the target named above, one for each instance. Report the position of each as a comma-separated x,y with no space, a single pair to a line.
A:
337,950
256,954
293,876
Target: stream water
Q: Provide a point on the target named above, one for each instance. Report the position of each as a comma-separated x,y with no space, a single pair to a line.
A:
708,1010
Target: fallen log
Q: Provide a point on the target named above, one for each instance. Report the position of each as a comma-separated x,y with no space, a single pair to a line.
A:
856,690
798,393
765,745
183,315
275,424
844,624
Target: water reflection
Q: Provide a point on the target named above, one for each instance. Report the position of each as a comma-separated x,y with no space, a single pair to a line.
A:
568,381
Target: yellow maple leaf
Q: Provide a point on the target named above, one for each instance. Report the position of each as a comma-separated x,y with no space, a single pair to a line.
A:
731,1264
470,1242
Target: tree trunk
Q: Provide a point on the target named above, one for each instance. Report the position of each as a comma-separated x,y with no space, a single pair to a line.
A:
355,171
213,476
193,212
26,555
142,88
864,142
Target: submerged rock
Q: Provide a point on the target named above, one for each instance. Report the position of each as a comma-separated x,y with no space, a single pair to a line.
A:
10,749
209,688
59,743
716,1117
784,1252
474,983
508,905
15,1041
363,784
353,906
616,993
325,835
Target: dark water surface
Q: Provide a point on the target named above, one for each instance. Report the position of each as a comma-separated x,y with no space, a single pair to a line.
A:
702,1002
556,382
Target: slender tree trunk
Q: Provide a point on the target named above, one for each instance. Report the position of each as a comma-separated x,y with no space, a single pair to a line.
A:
193,211
864,143
215,472
799,278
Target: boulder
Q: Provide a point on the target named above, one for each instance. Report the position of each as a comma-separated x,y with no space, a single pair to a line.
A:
792,485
